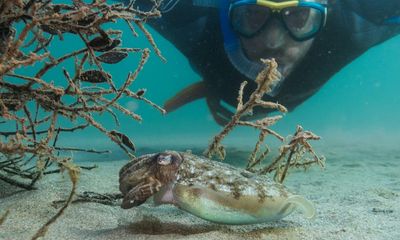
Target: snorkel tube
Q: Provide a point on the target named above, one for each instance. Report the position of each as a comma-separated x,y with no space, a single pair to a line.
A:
234,51
232,45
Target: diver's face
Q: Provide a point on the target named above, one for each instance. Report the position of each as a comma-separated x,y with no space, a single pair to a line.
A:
275,41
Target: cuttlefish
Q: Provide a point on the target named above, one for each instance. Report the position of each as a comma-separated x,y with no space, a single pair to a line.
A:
208,189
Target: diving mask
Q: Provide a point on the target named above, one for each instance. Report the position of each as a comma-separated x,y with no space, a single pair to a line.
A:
302,19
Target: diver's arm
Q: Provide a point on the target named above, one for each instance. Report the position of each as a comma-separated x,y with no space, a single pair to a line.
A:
376,11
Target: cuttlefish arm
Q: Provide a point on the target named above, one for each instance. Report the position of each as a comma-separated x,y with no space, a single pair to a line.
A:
145,176
139,194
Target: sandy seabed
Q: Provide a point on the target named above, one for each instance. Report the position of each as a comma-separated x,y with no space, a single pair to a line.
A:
357,196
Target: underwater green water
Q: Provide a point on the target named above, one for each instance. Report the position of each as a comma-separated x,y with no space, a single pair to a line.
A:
359,104
356,112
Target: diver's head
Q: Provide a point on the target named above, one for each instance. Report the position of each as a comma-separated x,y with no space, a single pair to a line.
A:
278,29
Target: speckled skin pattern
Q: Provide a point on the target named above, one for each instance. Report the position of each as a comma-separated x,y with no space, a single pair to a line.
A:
211,190
218,176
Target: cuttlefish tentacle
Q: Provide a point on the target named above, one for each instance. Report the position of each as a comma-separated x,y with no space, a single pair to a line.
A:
146,175
208,189
141,193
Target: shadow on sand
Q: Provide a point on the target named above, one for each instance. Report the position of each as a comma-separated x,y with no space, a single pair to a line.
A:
151,225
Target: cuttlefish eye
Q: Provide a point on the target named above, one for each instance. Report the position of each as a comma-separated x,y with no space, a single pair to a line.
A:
164,159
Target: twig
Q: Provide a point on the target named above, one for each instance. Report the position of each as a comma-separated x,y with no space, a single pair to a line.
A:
16,183
60,170
85,197
293,152
150,39
264,80
82,150
74,176
4,216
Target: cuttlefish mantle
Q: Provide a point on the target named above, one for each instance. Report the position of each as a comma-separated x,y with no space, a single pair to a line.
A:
211,190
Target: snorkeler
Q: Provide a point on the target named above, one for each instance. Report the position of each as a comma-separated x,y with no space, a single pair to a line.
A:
311,40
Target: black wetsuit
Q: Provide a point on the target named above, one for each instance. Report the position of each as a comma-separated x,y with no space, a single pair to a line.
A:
353,26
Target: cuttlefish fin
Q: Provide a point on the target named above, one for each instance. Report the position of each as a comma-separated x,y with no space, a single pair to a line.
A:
139,194
306,206
189,94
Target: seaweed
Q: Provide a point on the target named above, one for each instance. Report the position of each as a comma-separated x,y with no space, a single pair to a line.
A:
36,107
292,153
74,176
